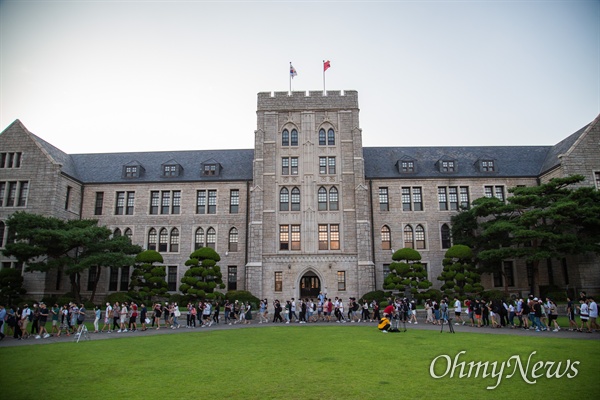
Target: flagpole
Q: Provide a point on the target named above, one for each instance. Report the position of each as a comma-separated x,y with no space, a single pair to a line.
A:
290,74
324,91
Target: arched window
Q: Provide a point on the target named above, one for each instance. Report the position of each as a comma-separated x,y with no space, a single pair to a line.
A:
330,137
322,137
211,238
294,138
129,233
322,198
152,239
386,238
117,232
163,240
174,240
233,239
409,237
333,199
284,199
285,138
420,236
445,233
199,238
295,199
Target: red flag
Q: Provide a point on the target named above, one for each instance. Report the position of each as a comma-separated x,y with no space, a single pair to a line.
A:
326,65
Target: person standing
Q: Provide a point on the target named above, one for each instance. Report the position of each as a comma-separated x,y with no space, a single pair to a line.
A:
216,311
133,314
457,311
593,311
156,315
25,316
2,318
116,311
143,316
277,311
42,319
55,312
107,317
123,318
293,311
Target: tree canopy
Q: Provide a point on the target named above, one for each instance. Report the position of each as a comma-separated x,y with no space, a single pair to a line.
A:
147,279
407,273
460,274
73,246
549,221
203,275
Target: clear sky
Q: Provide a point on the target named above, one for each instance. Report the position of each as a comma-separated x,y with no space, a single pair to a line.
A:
116,76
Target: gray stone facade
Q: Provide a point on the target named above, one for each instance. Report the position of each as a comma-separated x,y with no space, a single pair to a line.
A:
308,209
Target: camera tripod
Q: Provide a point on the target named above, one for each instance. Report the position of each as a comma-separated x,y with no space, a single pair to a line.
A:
449,321
81,331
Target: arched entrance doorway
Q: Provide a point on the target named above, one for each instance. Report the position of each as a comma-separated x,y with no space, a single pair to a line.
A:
310,286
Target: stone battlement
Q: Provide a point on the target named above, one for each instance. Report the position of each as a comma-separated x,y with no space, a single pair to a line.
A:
312,100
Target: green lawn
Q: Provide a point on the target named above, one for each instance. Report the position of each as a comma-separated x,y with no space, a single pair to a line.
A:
293,362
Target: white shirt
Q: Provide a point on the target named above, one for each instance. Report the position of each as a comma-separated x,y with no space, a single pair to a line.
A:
593,307
457,307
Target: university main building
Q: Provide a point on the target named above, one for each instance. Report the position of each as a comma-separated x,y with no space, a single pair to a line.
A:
309,209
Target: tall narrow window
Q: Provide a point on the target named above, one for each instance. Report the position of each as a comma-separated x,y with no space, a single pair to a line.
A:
117,232
445,234
2,193
386,238
113,280
124,279
464,197
278,281
99,203
285,166
295,199
331,165
442,198
120,203
284,237
174,240
212,202
384,204
211,238
176,202
406,203
323,237
163,240
285,138
165,202
322,198
334,234
130,203
92,273
409,237
341,280
152,239
330,137
420,236
322,138
417,199
199,238
23,193
172,278
154,202
284,199
509,273
233,239
453,197
234,201
322,165
129,233
2,228
294,138
333,199
295,237
231,277
294,165
201,202
68,197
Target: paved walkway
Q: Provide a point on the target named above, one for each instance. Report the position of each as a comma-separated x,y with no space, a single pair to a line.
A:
563,333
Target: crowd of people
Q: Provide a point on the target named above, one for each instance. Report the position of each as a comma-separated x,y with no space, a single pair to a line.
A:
531,313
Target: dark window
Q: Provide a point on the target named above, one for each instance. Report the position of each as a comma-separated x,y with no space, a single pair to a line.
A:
233,239
199,238
172,279
487,166
284,199
2,228
333,199
152,239
117,232
322,165
322,138
322,198
234,201
124,279
163,240
294,165
294,138
120,203
565,270
212,202
445,233
497,277
23,192
165,203
128,233
131,172
99,203
331,165
285,138
330,137
285,166
211,238
384,204
176,202
509,273
68,197
409,240
170,170
448,166
406,203
408,166
284,237
92,273
210,169
231,278
417,199
154,202
113,280
174,240
341,280
295,199
278,281
464,197
201,202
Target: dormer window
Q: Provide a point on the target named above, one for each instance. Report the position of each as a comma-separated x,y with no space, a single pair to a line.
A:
131,172
447,166
171,169
210,169
406,165
488,166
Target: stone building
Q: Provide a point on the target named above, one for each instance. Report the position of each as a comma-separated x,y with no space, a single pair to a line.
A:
309,209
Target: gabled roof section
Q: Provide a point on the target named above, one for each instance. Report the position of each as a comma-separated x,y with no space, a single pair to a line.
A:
517,161
564,146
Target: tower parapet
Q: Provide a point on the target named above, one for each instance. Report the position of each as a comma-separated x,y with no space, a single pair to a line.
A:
313,100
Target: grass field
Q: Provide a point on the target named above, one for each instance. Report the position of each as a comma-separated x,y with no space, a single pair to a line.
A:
295,362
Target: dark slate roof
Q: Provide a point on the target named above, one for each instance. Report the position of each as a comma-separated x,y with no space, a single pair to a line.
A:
561,147
510,161
108,167
59,156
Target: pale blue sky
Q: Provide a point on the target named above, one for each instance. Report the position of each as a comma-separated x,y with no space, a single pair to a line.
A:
113,76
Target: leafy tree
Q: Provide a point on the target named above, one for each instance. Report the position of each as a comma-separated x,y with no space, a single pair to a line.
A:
11,286
48,243
147,279
203,275
536,223
407,273
460,274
